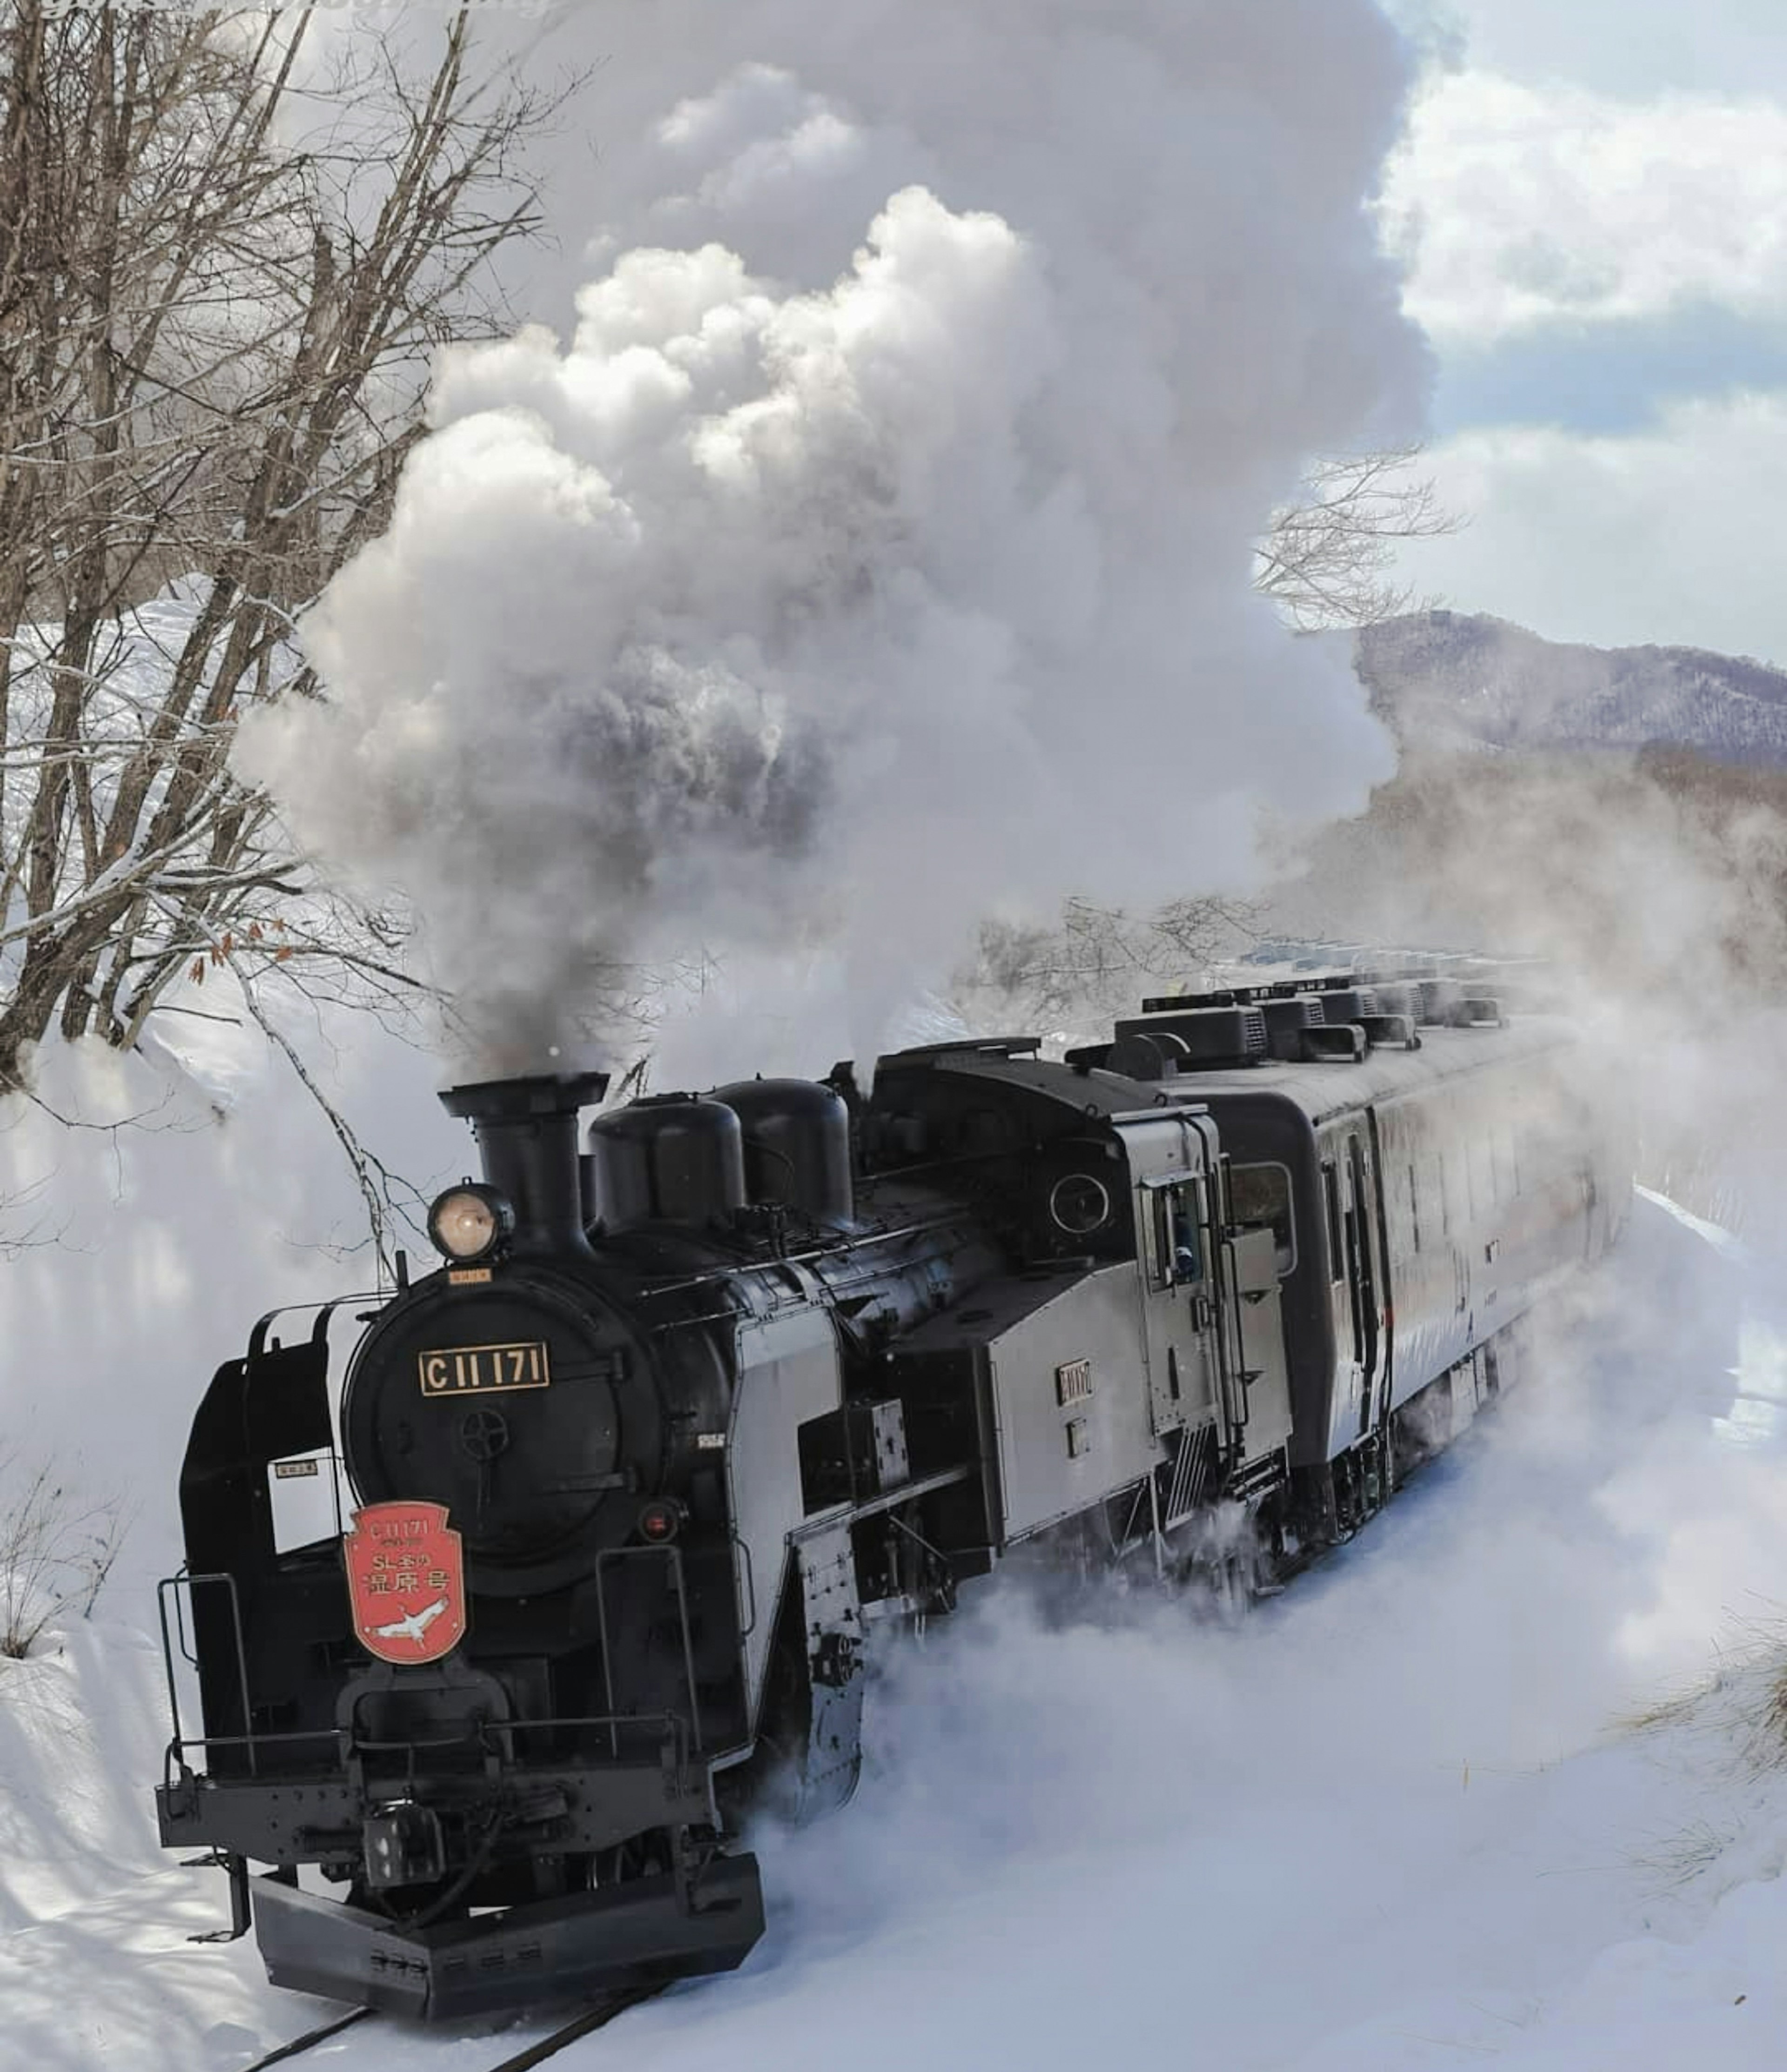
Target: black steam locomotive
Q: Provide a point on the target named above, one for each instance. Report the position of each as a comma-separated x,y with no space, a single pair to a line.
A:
679,1419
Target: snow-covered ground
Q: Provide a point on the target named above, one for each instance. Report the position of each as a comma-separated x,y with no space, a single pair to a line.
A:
1431,1806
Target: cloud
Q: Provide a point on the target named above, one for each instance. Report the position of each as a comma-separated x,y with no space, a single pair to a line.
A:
1631,47
1670,535
1526,208
1615,376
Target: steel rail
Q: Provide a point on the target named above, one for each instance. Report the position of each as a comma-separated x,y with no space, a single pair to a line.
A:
309,2040
586,2024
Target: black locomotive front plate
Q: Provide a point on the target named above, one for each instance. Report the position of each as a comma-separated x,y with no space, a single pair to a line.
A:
479,1370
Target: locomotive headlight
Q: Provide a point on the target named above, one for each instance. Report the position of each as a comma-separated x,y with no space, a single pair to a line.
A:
469,1221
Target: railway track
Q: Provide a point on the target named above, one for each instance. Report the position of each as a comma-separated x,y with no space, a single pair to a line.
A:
586,2024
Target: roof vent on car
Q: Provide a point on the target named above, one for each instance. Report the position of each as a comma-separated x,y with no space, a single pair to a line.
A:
1213,1038
1152,1055
1450,1003
1298,1032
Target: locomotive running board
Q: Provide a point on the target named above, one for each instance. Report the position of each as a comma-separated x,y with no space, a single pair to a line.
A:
616,1938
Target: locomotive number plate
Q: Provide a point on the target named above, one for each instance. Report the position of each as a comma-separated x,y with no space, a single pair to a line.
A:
1073,1381
478,1369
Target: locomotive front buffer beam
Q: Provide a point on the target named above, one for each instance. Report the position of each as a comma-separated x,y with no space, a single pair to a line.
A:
702,1916
643,1932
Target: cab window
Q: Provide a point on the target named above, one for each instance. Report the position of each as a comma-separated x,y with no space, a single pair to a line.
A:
1177,1253
1259,1199
1330,1197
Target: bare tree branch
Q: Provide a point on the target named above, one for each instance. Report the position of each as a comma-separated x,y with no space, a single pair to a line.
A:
1098,961
57,1549
220,290
1327,561
389,1200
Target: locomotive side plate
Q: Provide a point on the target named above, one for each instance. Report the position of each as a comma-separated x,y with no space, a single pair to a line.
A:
406,1581
479,1370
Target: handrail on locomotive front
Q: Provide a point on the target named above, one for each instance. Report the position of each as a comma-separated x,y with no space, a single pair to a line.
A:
188,1582
681,1733
669,1728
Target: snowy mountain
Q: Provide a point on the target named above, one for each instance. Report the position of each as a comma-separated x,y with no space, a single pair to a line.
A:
1446,677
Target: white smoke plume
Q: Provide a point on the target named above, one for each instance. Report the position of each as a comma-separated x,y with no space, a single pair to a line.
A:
877,551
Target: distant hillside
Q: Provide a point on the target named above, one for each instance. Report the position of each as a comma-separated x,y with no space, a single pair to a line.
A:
1442,677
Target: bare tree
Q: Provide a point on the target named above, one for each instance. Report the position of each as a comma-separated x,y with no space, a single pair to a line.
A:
35,1232
1327,560
1098,961
221,284
57,1550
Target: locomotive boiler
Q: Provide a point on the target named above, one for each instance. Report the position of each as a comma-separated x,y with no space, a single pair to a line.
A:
688,1409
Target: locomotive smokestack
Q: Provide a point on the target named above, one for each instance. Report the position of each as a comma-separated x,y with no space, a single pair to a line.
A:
527,1132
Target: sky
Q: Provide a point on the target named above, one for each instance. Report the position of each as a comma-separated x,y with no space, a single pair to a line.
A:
1593,200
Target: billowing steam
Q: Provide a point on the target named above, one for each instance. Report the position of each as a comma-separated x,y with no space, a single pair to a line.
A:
877,552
